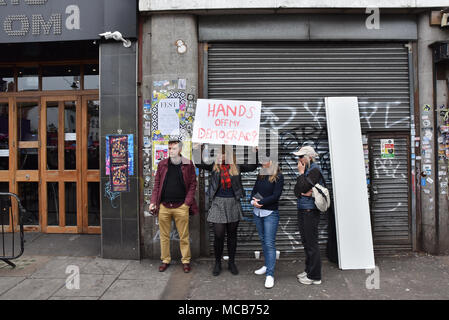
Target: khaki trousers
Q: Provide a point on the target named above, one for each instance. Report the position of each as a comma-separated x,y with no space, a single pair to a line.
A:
181,217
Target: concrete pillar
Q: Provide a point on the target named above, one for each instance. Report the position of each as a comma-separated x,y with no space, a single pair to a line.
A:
442,180
426,36
161,61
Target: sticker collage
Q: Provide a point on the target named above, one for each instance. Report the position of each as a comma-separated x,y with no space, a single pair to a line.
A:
168,116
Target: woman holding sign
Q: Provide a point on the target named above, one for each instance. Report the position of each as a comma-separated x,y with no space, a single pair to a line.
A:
225,190
265,199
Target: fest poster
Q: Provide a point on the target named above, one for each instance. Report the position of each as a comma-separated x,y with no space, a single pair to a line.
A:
118,152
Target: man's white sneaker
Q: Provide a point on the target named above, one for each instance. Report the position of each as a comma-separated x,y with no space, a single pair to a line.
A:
269,282
261,270
301,275
306,280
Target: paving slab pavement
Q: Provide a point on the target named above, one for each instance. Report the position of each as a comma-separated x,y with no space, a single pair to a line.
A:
413,276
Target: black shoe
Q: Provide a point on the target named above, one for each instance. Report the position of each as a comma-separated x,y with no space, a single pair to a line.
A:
233,268
217,269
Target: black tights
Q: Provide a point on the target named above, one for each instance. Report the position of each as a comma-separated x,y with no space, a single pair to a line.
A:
219,232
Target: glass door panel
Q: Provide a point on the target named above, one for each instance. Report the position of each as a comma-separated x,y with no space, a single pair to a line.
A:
52,125
91,165
4,136
70,135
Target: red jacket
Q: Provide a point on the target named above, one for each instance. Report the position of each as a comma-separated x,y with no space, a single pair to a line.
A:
189,175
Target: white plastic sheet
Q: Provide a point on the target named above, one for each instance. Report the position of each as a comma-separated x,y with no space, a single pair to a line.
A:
352,214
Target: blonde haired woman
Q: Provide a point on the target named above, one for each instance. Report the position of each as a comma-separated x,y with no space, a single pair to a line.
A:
265,199
225,212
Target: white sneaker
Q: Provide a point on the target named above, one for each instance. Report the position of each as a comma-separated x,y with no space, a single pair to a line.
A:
261,270
306,280
269,282
301,275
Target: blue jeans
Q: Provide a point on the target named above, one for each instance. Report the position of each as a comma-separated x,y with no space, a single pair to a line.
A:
267,228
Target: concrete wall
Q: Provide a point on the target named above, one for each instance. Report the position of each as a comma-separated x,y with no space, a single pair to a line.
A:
118,110
155,5
161,61
430,225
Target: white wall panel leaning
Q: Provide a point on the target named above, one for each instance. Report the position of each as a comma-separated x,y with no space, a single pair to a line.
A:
352,214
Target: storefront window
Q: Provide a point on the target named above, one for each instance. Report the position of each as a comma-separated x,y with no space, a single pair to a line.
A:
28,121
70,204
91,78
28,78
52,135
4,218
93,135
70,135
53,203
6,79
4,137
61,78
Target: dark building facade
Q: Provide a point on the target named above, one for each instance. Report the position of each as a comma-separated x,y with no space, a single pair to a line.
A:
62,88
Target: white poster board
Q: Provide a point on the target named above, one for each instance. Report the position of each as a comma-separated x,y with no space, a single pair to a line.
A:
352,213
230,122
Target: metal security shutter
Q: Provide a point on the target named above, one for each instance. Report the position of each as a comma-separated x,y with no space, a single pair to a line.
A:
390,200
291,80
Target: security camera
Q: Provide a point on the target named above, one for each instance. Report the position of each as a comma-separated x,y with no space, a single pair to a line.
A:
116,35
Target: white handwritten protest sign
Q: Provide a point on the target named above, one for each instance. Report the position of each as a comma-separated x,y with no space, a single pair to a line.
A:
231,122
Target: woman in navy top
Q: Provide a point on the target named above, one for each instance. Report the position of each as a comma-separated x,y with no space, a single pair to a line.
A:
265,199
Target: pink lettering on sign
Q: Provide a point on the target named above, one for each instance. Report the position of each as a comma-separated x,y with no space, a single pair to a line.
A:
234,110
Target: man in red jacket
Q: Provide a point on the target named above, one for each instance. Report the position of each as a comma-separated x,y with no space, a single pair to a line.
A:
173,197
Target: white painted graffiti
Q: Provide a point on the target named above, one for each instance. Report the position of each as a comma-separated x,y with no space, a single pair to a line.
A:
369,111
318,114
388,168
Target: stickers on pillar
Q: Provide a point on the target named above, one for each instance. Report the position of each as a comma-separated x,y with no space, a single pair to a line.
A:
427,108
426,191
426,123
182,84
423,182
428,133
147,106
146,142
429,180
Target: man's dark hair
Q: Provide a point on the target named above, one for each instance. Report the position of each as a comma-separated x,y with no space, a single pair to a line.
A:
176,141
